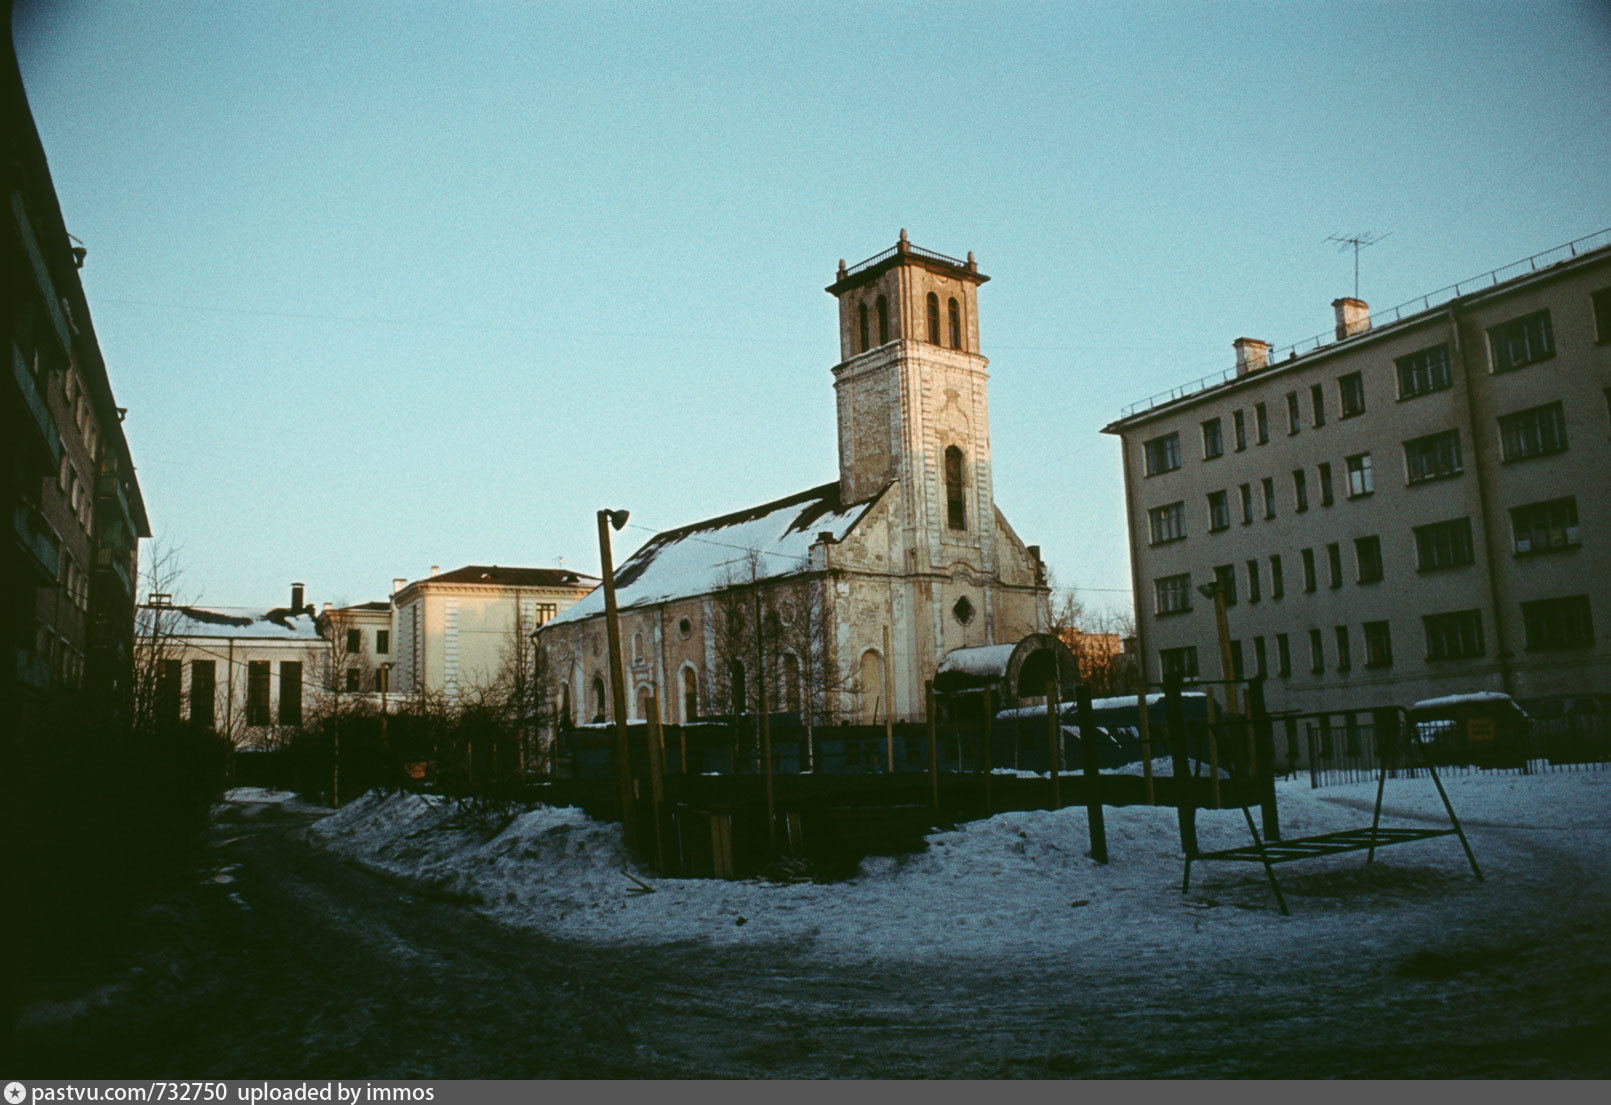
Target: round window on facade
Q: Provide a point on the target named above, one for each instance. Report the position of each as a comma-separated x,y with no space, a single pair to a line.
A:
963,610
685,627
786,613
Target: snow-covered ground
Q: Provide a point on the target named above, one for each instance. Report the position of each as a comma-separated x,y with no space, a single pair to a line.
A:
1023,882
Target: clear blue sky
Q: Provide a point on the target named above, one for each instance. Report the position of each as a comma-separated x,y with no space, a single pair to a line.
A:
390,285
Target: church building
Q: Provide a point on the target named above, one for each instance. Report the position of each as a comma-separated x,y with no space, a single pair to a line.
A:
838,603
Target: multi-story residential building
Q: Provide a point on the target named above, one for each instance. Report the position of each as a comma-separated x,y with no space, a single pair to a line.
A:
841,602
360,636
459,630
1411,505
67,601
254,676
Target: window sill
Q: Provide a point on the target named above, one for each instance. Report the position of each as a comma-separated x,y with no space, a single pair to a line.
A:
1162,472
1165,541
1443,568
1218,529
1550,550
1535,649
1424,394
1368,582
1346,415
1438,478
1550,356
1533,456
1212,456
1380,666
1361,494
1449,659
1173,613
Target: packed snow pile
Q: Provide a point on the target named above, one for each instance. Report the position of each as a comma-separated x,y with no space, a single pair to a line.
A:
1014,883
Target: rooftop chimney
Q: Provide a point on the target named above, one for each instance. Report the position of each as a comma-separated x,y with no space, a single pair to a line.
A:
296,596
398,585
1251,355
1353,317
434,569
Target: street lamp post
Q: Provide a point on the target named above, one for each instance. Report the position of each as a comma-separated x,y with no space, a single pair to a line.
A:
616,519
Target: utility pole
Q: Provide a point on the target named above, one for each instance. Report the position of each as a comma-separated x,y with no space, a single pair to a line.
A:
612,622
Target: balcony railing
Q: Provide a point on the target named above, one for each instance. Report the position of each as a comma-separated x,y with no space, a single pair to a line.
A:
35,536
35,403
1378,319
919,251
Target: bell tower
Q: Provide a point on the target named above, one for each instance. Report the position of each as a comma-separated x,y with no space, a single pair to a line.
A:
912,399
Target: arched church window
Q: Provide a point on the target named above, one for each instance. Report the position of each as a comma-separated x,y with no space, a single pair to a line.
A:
690,695
872,687
861,326
883,321
956,515
934,319
956,325
637,647
598,699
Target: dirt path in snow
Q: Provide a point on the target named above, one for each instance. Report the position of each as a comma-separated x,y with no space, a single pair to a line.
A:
289,963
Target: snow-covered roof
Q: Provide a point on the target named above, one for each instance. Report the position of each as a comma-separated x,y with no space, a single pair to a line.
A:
227,621
980,660
701,558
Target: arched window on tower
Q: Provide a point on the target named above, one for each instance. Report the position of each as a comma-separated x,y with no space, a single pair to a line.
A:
956,515
934,319
956,325
861,326
883,321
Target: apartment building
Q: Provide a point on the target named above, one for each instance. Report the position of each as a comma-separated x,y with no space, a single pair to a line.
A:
459,630
1412,505
67,602
360,637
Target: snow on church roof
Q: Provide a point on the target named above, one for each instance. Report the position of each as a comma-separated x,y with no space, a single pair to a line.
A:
700,558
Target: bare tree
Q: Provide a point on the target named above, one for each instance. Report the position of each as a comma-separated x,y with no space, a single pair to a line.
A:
158,649
1099,641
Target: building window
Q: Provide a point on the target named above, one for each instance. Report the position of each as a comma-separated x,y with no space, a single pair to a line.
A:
1556,624
1535,432
1268,484
1260,661
1351,394
1334,562
1167,523
1433,456
1253,581
1293,418
598,699
1261,418
934,319
1360,481
1277,588
955,314
1317,652
203,692
863,332
1521,341
883,320
1602,315
542,614
1283,655
956,515
354,679
1378,645
1317,404
290,692
962,610
383,678
637,647
1180,662
1225,576
690,696
1345,654
1238,665
1545,527
1213,439
1443,545
1309,582
1424,372
257,692
1453,636
1326,498
355,640
1247,504
383,640
1172,594
1300,490
1239,424
170,676
1219,511
1162,454
1368,557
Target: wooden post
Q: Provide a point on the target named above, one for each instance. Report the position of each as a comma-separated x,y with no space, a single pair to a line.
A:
1146,745
1185,786
657,779
934,751
1053,741
1092,771
766,768
1212,713
889,714
612,627
1264,740
988,767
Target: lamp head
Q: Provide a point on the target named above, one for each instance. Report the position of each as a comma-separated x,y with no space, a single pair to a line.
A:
618,519
1208,590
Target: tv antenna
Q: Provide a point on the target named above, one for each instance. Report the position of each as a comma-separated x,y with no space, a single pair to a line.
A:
1356,242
